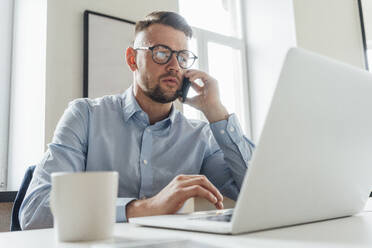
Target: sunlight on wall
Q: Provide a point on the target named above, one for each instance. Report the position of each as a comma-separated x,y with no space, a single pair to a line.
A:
216,16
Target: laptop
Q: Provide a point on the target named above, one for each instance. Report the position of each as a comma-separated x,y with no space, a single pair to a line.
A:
313,161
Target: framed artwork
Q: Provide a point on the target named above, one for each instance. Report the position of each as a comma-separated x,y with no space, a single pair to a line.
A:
105,41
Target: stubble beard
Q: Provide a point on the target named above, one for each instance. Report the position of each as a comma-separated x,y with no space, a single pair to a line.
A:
157,94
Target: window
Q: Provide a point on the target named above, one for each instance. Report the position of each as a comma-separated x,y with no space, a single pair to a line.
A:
219,44
22,88
6,34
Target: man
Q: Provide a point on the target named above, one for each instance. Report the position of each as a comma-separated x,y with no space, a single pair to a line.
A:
162,158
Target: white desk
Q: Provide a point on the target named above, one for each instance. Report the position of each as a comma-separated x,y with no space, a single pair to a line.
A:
353,232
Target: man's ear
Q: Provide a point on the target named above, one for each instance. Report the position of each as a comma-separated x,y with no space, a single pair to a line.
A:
131,58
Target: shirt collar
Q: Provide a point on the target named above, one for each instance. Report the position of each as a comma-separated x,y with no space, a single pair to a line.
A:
131,106
173,114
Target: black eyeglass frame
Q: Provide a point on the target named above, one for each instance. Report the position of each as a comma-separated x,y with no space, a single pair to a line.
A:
169,58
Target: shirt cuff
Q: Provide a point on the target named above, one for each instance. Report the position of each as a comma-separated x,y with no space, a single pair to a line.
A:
227,131
121,204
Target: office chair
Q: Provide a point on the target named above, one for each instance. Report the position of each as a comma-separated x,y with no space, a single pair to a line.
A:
14,225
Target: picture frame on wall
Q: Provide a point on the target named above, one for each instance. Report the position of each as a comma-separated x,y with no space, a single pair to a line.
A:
366,37
105,41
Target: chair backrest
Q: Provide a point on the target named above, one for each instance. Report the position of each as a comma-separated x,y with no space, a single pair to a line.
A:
15,225
6,204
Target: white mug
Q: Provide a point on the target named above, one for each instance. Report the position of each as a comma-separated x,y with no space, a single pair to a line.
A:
84,205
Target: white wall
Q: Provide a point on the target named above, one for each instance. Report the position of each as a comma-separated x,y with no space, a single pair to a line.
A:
64,70
328,27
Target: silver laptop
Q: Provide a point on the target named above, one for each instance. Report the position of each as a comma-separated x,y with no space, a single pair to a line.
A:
314,158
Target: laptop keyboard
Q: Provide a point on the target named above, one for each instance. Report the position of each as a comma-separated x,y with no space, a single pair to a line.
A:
223,218
217,215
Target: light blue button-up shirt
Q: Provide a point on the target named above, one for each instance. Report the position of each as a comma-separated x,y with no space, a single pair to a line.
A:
113,133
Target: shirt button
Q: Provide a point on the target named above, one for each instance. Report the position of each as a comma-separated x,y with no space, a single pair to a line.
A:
145,161
232,129
222,131
148,130
142,114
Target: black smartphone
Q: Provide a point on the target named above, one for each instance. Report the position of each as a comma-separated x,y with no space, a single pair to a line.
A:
184,89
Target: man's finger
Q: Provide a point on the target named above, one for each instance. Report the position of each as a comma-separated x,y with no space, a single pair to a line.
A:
185,177
193,72
196,87
219,205
203,78
199,191
204,182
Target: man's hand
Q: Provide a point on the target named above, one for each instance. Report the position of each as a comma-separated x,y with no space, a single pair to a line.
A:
174,195
208,98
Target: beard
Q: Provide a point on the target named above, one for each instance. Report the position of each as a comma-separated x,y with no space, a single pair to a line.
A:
157,94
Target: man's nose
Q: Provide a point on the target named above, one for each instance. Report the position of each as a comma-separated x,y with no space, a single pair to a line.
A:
173,63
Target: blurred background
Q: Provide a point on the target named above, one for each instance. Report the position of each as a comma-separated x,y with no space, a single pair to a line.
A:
241,43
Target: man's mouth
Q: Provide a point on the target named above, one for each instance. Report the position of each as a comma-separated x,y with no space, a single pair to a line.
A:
171,81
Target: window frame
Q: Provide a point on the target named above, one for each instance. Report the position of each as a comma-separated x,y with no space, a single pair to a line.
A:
7,12
202,37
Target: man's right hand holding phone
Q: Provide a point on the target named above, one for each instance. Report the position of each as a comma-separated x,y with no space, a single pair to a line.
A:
207,99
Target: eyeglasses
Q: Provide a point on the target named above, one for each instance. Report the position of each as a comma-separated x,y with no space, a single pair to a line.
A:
162,54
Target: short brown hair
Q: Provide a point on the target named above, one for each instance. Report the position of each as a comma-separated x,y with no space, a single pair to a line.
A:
166,18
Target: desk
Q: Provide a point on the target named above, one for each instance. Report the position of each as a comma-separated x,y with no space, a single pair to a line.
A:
355,231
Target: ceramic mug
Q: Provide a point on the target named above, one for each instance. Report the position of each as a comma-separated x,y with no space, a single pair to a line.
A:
83,205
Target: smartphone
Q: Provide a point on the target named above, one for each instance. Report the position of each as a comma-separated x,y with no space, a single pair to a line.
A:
184,89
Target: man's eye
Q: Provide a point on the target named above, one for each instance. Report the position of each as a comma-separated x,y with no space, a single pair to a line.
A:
183,59
161,55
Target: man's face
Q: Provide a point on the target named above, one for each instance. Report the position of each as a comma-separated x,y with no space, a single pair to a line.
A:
159,82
